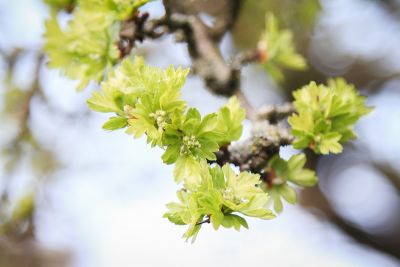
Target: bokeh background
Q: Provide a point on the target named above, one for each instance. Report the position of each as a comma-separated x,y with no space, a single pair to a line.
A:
83,197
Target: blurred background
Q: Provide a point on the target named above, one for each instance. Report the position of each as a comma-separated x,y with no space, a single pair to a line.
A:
72,194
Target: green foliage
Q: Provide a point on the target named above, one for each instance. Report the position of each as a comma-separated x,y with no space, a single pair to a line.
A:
24,207
230,119
114,9
219,196
60,4
190,139
282,173
279,49
21,213
299,16
147,101
326,115
85,50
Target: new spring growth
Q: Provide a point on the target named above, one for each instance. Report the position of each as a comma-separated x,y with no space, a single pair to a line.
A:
189,143
160,117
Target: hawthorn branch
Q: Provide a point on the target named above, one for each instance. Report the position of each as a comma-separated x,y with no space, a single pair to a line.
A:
254,153
273,114
137,29
205,54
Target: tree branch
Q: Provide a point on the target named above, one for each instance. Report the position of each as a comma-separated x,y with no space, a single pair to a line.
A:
313,198
254,153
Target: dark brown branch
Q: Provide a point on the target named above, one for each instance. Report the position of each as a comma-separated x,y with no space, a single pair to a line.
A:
137,29
313,198
206,220
206,56
222,12
389,172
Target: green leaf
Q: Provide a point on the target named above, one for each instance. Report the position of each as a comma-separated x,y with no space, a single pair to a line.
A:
187,169
216,219
261,213
278,206
282,172
115,123
230,120
243,185
235,221
288,193
60,4
329,143
279,48
299,175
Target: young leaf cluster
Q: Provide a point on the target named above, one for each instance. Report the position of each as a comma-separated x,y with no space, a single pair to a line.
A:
279,50
147,102
282,174
219,197
86,48
325,115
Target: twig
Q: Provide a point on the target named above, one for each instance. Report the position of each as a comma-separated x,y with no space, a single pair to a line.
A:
273,114
136,29
207,220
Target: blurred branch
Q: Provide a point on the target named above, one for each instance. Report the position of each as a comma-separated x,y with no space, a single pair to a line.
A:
275,113
11,226
10,58
29,253
314,199
389,172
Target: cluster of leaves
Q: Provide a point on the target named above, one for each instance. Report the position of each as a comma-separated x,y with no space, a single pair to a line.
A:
278,49
281,174
299,16
86,48
218,195
326,115
146,101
